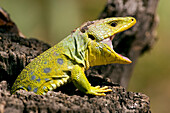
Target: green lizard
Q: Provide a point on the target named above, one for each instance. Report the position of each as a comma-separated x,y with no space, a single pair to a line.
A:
89,45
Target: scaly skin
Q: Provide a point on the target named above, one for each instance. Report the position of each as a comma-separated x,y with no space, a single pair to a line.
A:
89,45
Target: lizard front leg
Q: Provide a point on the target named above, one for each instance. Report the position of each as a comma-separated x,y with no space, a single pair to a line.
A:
80,81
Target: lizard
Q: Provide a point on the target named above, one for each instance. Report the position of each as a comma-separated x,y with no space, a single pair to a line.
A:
87,46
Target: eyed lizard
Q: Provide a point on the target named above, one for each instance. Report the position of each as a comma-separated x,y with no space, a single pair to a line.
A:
87,46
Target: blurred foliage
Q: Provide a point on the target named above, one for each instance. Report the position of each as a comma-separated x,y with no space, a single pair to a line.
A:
53,20
152,72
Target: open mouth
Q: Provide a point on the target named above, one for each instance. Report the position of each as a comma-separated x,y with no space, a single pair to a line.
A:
108,41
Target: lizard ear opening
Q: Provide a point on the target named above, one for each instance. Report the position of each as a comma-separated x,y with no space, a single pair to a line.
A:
91,37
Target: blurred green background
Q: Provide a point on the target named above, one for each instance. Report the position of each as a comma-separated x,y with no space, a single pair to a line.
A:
52,20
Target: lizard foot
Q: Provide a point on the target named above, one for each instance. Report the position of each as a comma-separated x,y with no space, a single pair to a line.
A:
99,91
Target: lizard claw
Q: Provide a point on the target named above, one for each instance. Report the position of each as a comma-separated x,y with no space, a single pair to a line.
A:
97,87
99,91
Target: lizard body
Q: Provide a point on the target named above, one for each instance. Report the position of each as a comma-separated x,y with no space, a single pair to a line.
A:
89,45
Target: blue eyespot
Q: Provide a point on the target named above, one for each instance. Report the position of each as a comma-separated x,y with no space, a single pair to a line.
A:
29,88
56,54
35,90
44,87
38,79
46,79
60,61
45,62
33,77
47,70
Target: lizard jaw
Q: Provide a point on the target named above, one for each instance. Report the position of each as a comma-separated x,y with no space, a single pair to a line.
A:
108,42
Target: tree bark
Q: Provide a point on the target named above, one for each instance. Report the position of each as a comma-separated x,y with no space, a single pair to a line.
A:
16,51
133,42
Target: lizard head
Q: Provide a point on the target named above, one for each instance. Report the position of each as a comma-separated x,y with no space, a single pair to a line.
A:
101,33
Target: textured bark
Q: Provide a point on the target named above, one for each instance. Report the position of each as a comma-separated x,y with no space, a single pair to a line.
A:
133,42
69,100
15,50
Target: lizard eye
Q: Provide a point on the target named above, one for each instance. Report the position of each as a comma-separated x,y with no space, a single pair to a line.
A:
113,24
91,37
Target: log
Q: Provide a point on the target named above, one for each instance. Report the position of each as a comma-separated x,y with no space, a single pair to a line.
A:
68,100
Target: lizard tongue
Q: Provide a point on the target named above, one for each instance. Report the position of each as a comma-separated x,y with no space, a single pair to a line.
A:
124,60
108,42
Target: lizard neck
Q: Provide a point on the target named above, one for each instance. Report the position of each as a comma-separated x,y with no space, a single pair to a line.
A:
76,48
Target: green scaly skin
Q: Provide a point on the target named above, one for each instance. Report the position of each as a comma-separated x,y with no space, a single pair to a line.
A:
89,45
